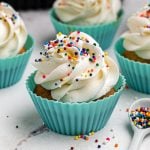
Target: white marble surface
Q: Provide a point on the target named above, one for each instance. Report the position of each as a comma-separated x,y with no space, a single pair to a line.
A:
16,108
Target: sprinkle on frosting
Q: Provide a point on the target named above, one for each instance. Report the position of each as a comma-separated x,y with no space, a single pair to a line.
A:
10,16
70,63
145,12
63,45
13,32
137,39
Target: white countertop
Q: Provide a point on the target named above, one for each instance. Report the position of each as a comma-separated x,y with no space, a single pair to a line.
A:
19,119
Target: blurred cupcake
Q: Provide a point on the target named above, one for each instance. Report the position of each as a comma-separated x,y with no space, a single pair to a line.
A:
76,86
100,19
133,51
15,46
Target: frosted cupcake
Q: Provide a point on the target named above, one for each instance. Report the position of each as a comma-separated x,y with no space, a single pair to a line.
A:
133,51
15,46
76,86
100,19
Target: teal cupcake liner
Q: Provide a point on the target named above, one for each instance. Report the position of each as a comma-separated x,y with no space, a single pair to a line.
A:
12,68
102,33
137,74
75,118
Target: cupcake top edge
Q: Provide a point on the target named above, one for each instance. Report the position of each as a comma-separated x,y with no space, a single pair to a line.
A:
87,12
75,69
137,38
13,31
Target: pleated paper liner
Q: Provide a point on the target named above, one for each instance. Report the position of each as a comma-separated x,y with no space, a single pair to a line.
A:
75,118
12,68
102,33
137,74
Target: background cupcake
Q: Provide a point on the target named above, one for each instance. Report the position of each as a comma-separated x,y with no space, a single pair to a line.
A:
133,51
100,19
76,86
15,46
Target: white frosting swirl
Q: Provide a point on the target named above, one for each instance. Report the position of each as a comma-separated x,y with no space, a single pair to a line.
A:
137,39
13,33
87,12
75,69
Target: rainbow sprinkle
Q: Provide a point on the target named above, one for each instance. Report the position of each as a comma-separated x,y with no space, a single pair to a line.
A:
141,117
6,16
85,137
61,47
99,144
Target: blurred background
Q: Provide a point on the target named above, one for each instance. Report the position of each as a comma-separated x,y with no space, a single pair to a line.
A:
43,4
34,4
30,4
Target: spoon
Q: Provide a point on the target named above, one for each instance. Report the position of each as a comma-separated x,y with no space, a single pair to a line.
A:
139,133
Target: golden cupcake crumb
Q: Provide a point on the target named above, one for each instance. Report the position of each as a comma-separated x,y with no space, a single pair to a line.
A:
44,93
40,91
132,56
22,50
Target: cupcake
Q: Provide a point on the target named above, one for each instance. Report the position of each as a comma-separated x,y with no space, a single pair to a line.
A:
133,52
100,19
76,86
15,46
